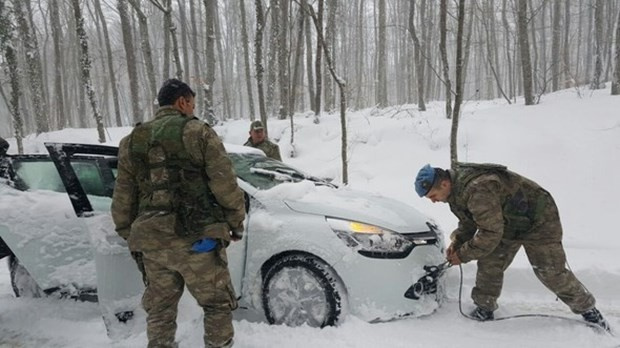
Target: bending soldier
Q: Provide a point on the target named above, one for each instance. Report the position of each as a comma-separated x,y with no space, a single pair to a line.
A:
499,211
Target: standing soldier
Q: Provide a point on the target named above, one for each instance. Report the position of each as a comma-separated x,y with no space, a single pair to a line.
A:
177,204
6,169
258,140
499,211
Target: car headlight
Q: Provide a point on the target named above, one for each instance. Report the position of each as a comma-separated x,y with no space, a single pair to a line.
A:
373,241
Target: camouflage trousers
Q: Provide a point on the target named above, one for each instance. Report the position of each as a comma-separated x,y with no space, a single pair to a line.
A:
544,250
207,279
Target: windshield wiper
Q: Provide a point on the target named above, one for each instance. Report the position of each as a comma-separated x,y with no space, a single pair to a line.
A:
275,172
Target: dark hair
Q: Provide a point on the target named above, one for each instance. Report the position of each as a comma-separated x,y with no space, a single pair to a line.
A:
440,175
173,89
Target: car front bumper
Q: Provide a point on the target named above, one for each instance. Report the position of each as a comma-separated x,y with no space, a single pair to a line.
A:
376,287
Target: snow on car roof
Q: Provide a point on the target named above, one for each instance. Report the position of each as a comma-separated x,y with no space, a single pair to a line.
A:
233,148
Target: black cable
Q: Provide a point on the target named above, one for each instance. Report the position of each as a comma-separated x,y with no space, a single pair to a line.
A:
524,315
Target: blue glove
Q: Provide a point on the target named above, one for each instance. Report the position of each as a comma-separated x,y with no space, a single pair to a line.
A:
204,245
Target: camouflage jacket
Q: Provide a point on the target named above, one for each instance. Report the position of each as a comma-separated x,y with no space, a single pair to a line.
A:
270,149
156,230
492,205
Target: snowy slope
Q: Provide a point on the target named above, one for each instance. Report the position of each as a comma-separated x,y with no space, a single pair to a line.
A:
569,143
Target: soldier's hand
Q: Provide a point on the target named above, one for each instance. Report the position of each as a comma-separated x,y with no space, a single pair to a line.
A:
452,256
236,235
454,259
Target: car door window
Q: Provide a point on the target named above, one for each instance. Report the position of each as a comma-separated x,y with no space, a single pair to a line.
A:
41,174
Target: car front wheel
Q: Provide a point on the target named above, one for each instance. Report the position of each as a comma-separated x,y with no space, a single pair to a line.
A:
301,289
23,284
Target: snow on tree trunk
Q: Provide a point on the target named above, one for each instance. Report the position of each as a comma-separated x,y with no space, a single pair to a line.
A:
86,66
33,64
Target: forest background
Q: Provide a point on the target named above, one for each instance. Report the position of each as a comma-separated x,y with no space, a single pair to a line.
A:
99,63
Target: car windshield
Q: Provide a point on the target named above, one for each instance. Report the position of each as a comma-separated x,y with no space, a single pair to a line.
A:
264,173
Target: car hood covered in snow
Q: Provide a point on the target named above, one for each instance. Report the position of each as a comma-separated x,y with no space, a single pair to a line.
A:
362,207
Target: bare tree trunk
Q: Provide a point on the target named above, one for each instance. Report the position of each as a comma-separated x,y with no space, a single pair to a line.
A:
197,78
458,99
330,39
419,62
86,66
12,70
311,84
147,53
33,63
296,73
61,119
443,12
361,54
110,61
210,61
272,55
318,66
555,46
491,50
524,50
246,58
183,23
381,88
615,82
283,61
258,59
132,70
343,95
598,43
507,45
225,81
566,47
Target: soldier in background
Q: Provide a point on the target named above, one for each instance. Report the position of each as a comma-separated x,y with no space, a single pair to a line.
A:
259,140
177,203
499,211
6,169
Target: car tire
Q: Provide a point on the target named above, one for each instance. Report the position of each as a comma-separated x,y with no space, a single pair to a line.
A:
301,289
23,284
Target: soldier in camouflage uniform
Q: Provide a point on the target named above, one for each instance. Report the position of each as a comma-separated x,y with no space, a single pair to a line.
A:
175,188
499,211
259,140
6,169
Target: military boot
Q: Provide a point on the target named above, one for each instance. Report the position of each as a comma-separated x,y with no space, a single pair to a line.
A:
595,317
482,314
227,344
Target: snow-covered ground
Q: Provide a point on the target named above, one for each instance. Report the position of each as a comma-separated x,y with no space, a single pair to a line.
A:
569,143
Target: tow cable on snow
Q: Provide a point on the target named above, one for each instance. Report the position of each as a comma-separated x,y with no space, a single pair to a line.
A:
427,284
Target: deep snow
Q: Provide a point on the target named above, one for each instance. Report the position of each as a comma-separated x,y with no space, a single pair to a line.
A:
569,143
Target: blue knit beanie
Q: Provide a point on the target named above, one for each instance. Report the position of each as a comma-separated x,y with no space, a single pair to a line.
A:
425,180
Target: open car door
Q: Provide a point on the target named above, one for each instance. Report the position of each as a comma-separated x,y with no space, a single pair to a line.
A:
119,283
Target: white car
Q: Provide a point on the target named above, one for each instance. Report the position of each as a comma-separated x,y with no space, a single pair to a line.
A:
312,252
